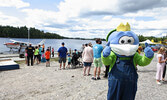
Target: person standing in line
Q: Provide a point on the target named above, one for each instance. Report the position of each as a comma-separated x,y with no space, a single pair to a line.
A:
106,71
36,55
82,48
52,52
97,49
30,51
69,61
70,51
25,56
160,65
47,56
62,53
164,72
87,57
43,48
40,53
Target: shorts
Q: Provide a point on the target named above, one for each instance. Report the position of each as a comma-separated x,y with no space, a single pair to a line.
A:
69,63
86,64
39,57
47,59
62,60
97,62
36,56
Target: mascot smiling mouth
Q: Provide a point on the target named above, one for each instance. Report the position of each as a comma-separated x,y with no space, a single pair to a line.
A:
129,49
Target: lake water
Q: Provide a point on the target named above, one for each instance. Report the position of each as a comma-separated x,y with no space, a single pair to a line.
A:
56,43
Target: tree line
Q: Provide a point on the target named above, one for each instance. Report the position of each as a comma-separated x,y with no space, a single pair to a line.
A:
22,32
156,39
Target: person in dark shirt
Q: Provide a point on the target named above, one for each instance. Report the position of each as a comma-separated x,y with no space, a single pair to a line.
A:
62,53
30,53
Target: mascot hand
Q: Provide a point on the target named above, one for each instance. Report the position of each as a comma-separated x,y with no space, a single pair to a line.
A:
107,50
148,51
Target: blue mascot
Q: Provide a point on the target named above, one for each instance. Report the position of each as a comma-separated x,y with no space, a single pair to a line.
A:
120,53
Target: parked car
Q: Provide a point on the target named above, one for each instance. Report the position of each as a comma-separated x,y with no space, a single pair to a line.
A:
154,49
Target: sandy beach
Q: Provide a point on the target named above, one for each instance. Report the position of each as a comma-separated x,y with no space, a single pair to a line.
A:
49,83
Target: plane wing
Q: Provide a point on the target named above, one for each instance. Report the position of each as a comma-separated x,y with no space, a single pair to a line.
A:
21,42
14,41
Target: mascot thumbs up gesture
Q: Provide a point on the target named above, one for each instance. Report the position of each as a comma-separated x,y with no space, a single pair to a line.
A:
120,53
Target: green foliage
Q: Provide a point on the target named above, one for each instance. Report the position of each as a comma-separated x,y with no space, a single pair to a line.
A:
22,32
142,38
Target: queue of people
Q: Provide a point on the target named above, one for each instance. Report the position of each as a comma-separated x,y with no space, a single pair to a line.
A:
89,54
34,55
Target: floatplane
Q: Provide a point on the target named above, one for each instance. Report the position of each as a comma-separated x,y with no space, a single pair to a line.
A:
20,45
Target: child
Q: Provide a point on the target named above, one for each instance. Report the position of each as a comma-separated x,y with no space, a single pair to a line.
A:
160,64
52,52
69,61
47,56
26,56
43,58
36,53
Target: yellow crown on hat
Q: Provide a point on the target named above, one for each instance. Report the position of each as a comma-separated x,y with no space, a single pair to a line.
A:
123,27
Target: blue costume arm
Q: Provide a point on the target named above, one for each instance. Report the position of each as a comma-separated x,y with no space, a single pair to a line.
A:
148,51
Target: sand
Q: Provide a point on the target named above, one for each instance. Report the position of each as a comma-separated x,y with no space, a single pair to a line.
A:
49,83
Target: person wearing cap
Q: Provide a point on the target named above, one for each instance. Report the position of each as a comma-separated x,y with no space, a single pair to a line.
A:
62,52
30,53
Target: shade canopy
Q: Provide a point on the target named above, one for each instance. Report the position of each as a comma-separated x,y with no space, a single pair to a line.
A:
148,41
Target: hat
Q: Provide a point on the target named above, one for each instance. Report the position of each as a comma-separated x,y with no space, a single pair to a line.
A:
62,43
75,49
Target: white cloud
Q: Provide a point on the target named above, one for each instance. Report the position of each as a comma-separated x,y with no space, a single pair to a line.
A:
37,17
107,17
9,20
93,18
13,3
107,7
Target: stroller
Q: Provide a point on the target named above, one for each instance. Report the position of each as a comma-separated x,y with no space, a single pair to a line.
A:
76,60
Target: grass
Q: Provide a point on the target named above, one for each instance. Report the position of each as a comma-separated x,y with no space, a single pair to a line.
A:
20,62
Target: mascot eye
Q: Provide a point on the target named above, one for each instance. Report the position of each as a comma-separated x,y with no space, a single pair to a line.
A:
126,40
129,41
122,41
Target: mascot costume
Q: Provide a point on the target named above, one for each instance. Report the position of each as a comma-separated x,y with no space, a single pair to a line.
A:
120,53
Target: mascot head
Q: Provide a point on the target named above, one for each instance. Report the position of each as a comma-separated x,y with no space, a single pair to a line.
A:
123,41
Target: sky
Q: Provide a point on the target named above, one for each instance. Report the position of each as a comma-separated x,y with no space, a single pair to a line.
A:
86,18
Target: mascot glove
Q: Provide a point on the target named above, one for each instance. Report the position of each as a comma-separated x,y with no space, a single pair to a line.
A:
107,50
148,51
